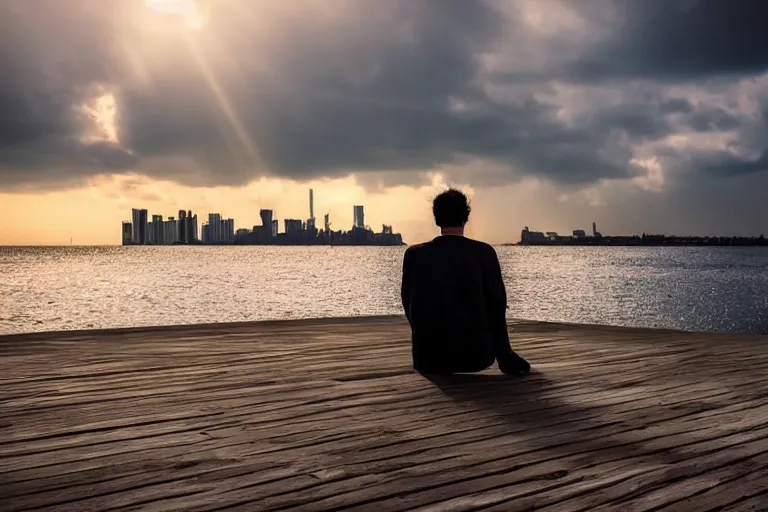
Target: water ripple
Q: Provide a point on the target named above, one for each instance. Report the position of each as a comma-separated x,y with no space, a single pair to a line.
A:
57,288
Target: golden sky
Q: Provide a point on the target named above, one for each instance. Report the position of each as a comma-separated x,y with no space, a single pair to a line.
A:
92,214
548,113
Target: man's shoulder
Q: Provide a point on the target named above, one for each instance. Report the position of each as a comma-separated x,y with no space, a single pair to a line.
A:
483,247
417,248
475,246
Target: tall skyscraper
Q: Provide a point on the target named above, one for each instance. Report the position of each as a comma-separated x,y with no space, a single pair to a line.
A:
311,205
135,217
327,223
143,233
170,231
228,230
218,230
214,228
127,233
192,236
156,233
266,223
139,226
359,217
182,226
292,226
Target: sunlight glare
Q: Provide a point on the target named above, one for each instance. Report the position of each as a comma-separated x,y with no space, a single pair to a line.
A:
188,9
194,20
225,105
103,112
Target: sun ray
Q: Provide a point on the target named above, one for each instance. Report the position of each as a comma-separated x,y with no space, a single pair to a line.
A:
225,105
188,10
194,17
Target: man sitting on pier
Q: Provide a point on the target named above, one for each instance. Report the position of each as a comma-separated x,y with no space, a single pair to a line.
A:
454,298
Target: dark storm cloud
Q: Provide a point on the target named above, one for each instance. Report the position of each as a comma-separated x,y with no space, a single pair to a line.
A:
726,164
369,90
49,67
681,39
343,86
745,153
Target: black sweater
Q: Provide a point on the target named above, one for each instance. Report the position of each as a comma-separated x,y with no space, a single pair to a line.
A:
454,297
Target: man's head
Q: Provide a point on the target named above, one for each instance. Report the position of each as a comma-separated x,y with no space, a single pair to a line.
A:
451,209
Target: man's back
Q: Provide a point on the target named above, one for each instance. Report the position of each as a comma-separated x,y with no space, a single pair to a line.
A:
453,295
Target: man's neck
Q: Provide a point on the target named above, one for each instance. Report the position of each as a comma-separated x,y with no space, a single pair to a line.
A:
452,231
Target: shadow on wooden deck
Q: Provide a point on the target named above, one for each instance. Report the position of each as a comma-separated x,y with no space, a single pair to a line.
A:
328,415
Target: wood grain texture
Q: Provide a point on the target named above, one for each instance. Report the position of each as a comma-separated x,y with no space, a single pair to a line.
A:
328,415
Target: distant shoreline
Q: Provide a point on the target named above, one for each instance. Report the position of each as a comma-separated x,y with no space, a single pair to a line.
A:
622,244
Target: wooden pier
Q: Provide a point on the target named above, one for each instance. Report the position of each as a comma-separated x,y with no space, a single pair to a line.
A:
328,415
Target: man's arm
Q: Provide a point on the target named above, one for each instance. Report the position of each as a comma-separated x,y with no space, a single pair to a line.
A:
405,287
496,303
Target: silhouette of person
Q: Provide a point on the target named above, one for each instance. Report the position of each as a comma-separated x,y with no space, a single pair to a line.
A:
454,298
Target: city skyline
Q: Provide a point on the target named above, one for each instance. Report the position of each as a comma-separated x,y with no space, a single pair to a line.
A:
580,237
183,230
648,115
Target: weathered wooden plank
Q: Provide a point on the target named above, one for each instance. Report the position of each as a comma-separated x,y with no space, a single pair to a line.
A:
314,493
423,429
328,415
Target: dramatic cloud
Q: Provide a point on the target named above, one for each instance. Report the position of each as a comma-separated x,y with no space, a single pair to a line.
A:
681,40
654,93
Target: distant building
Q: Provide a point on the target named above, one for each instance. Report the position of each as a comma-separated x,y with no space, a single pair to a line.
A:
358,217
170,231
531,236
184,230
127,233
182,227
266,224
551,234
135,218
579,233
311,205
139,226
143,228
228,230
192,231
293,226
156,233
214,232
218,230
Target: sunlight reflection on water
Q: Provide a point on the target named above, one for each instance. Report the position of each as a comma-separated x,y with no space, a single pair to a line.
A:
56,288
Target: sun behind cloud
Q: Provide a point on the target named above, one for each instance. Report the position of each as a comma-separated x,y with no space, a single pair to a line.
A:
188,10
102,111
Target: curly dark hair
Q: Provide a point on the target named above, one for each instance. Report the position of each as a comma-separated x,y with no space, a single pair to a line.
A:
451,209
